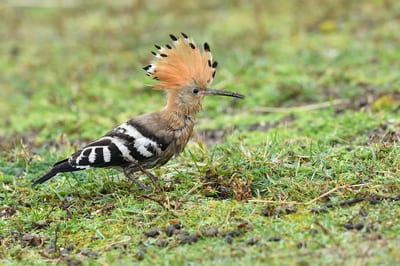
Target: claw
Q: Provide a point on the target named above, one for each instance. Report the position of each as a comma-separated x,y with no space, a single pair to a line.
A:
142,187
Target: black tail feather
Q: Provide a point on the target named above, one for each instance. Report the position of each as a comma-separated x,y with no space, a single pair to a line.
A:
59,167
44,178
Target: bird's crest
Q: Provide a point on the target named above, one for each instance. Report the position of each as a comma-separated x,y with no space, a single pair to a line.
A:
181,64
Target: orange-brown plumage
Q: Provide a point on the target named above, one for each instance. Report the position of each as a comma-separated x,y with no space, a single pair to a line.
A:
181,65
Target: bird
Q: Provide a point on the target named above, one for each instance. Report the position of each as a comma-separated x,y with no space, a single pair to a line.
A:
184,71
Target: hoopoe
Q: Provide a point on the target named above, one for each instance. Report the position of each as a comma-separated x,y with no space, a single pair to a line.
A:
151,140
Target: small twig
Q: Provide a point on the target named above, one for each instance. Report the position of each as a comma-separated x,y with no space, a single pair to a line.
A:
47,256
352,201
277,202
341,204
326,232
153,199
227,218
140,212
309,107
196,187
109,246
375,198
160,203
292,254
327,193
311,201
55,239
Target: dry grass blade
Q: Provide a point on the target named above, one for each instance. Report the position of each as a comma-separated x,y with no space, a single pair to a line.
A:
310,201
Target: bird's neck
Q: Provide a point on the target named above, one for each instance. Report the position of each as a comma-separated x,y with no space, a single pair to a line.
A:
179,116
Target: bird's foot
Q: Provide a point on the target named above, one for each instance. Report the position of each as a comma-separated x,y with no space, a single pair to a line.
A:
164,200
137,182
142,186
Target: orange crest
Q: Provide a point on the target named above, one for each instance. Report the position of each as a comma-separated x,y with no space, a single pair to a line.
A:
182,64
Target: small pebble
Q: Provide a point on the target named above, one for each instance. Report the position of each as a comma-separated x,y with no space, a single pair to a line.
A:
88,253
72,262
139,255
171,230
41,223
373,201
177,226
301,244
152,233
252,241
233,233
275,239
31,240
188,239
268,211
213,231
224,192
359,226
229,239
348,225
286,209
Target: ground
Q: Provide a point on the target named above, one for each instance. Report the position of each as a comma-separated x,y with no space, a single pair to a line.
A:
303,171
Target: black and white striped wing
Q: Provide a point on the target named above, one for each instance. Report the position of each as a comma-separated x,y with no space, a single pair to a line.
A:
121,146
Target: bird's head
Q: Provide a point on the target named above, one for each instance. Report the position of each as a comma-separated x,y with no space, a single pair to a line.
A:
185,71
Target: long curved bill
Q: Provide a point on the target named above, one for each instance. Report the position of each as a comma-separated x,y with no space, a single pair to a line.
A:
210,91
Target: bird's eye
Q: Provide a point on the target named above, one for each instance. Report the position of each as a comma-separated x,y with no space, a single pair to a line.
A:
195,90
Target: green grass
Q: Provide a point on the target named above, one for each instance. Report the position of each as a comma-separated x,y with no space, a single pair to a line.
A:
70,73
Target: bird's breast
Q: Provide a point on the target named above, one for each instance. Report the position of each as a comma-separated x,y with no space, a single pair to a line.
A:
182,136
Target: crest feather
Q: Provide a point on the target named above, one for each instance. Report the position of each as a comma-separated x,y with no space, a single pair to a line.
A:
181,64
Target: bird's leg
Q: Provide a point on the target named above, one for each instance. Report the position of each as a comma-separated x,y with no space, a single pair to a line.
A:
154,181
127,173
152,178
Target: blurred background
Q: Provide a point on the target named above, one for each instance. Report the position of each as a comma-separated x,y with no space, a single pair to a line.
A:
73,68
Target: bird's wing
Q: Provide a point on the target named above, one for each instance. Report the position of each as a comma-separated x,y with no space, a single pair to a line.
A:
123,145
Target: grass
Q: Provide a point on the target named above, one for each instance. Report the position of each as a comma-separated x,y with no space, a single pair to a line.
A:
298,185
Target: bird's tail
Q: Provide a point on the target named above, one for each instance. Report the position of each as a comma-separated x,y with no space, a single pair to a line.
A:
59,167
